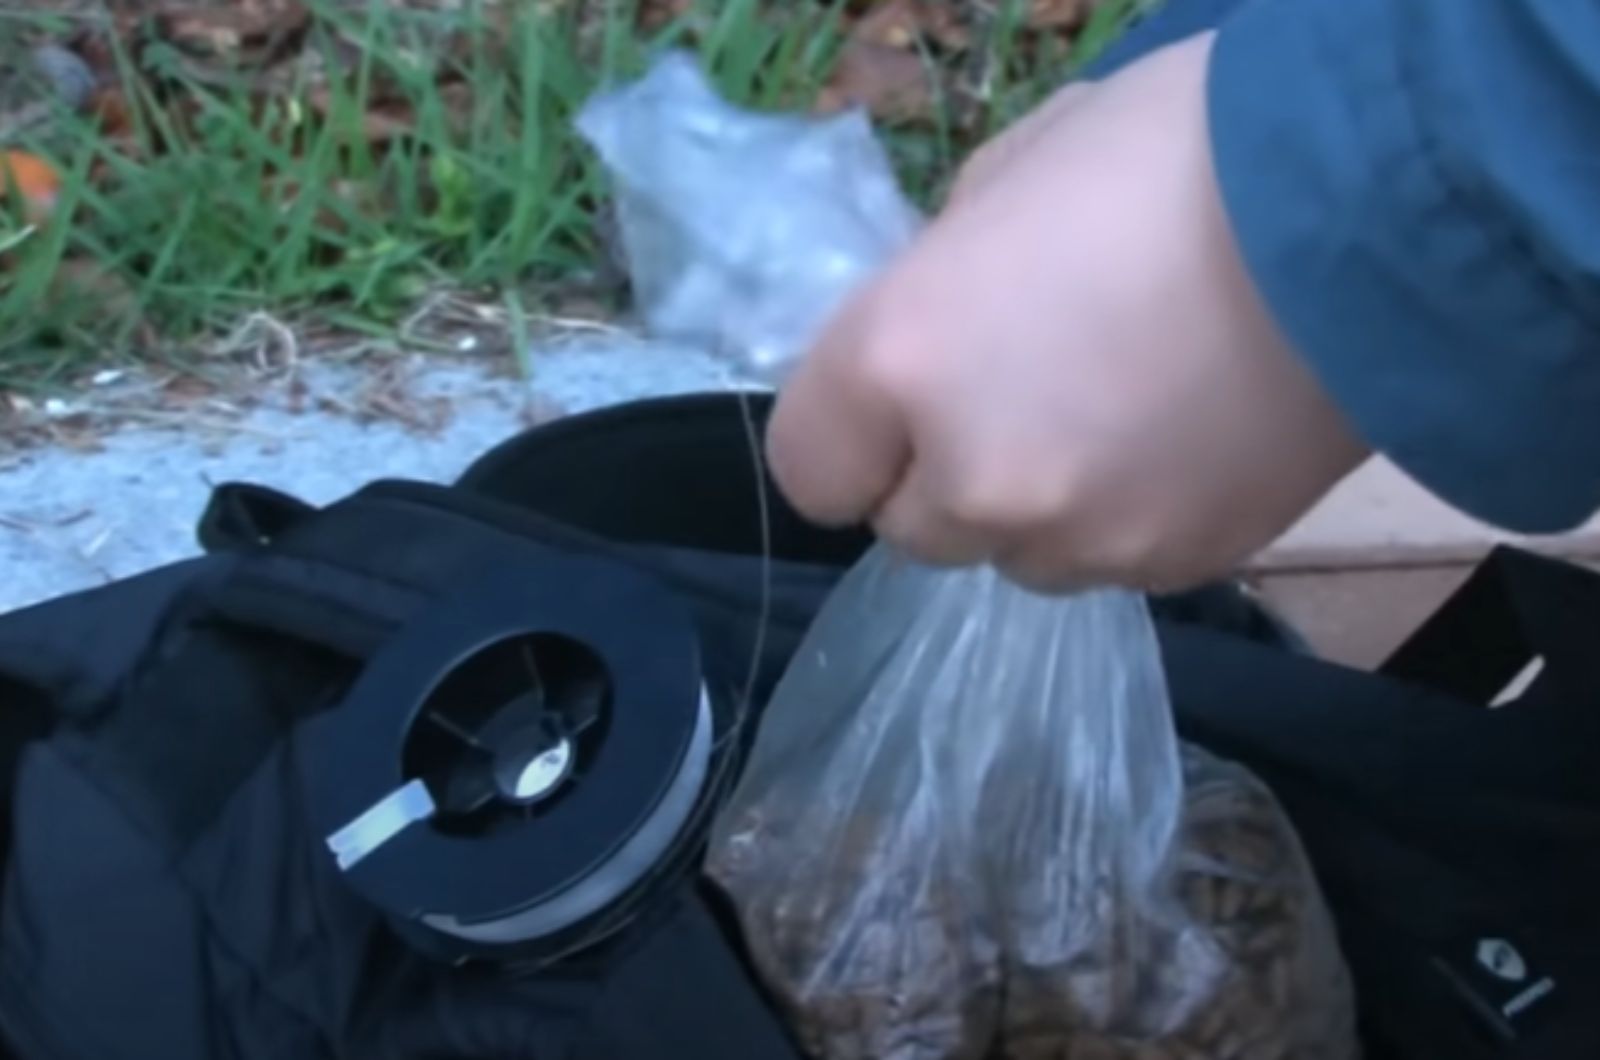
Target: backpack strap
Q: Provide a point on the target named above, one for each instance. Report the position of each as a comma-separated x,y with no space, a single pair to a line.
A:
345,576
243,515
315,598
317,601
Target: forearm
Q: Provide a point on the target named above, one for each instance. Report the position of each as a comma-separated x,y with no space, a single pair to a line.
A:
1413,188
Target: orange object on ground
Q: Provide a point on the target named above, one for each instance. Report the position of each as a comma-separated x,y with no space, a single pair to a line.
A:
34,179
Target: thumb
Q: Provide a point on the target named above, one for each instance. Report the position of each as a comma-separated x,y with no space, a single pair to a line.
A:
837,443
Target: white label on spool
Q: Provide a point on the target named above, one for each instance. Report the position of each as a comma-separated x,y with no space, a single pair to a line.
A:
381,822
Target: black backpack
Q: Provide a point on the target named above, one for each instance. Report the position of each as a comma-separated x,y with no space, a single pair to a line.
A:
169,889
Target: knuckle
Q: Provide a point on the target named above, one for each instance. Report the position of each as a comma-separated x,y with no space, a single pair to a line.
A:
1003,499
985,507
1131,556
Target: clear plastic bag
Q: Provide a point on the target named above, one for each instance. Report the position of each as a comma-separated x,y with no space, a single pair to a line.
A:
742,230
967,828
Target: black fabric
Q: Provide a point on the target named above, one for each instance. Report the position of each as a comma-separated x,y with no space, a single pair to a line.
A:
1438,825
1516,608
164,897
78,650
242,514
678,472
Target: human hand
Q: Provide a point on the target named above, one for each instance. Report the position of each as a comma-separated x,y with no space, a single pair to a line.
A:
1069,374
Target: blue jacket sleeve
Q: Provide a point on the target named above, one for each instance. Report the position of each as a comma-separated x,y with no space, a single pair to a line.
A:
1415,186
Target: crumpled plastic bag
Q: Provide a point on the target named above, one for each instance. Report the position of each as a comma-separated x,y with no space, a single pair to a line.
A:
967,828
728,243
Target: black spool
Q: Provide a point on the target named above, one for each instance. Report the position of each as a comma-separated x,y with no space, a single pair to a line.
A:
522,768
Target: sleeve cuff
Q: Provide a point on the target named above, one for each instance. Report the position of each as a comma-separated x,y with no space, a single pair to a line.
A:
1399,279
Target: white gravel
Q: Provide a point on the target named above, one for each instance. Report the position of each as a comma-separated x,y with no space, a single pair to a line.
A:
70,520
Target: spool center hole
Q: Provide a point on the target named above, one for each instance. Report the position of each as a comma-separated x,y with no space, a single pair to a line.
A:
509,729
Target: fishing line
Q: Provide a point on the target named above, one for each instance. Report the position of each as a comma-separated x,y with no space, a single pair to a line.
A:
764,605
758,465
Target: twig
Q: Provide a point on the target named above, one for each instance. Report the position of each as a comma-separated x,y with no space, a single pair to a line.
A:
560,323
429,306
238,341
29,526
186,419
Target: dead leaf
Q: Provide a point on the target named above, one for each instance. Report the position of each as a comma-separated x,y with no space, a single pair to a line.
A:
1059,14
893,24
891,83
78,434
655,15
31,179
906,23
187,389
245,34
387,118
109,111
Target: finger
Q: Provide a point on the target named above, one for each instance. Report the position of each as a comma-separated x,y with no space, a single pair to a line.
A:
1050,570
1056,564
837,442
914,520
